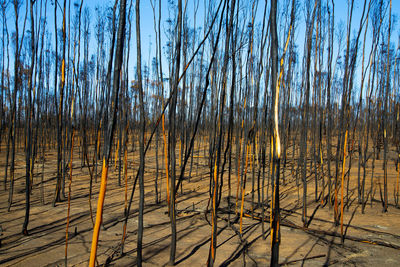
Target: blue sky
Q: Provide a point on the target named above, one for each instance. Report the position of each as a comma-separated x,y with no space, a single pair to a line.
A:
147,28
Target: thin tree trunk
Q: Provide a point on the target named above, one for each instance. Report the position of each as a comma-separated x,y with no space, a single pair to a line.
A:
141,139
110,129
28,154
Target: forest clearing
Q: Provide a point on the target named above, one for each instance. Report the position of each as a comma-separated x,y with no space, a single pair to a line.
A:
240,133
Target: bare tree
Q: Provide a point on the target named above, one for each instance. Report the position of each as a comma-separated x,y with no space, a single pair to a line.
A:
110,129
28,156
141,139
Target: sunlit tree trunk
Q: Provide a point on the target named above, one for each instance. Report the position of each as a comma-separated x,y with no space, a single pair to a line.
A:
385,114
110,129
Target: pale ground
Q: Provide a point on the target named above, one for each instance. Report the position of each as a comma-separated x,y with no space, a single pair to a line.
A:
45,246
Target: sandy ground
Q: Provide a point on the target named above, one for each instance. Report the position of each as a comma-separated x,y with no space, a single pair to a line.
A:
372,238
